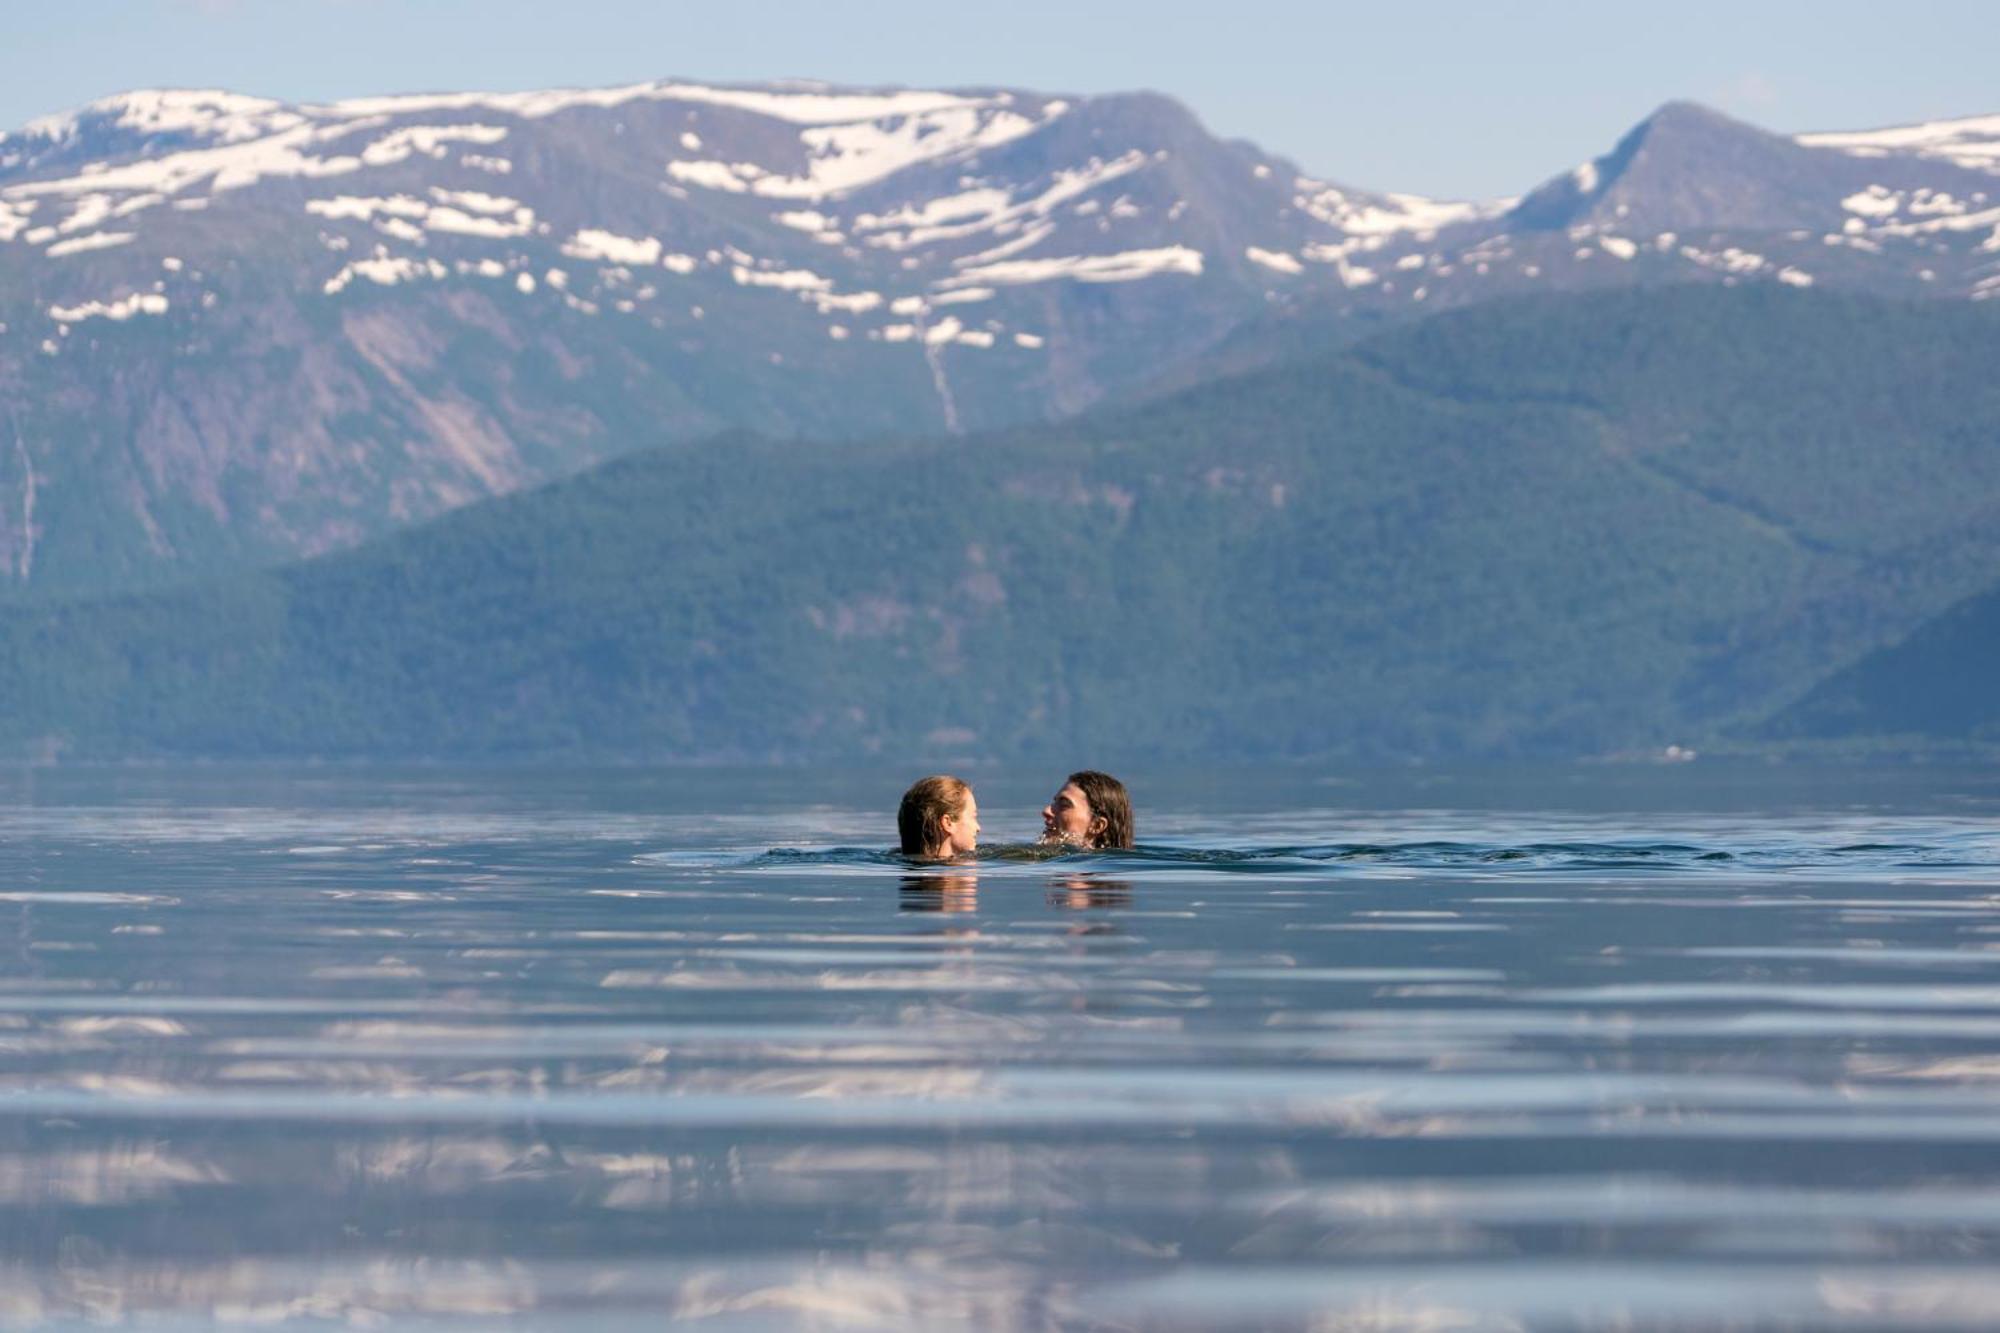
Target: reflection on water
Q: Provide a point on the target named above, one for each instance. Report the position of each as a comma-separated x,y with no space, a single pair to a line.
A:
944,891
450,1049
1082,893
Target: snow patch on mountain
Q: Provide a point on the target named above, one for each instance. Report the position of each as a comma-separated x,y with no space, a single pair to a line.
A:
136,203
1932,225
1972,141
1351,275
228,168
461,223
1127,266
210,114
90,211
1274,259
460,212
730,177
1069,183
946,215
791,280
1027,240
610,247
14,218
101,240
1732,260
1874,202
806,219
478,201
990,209
1924,202
384,270
360,209
235,165
1386,215
801,107
841,158
139,303
846,157
1409,212
429,140
850,303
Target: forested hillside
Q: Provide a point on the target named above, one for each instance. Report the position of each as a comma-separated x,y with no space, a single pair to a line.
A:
1940,685
1569,526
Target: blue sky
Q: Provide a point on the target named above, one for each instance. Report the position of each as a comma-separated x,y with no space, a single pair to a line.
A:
1458,99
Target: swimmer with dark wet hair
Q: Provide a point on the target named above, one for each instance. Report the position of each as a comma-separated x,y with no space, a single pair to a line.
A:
1091,810
938,819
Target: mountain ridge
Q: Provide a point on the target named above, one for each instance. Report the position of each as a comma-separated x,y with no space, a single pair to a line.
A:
467,293
1556,552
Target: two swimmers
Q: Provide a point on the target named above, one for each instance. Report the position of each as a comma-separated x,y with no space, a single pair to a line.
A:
939,817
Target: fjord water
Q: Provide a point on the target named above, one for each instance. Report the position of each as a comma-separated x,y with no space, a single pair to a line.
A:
1684,1047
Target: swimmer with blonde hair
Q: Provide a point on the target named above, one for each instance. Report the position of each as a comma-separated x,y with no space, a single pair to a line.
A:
938,819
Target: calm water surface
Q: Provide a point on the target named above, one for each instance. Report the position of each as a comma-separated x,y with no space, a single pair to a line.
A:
1578,1048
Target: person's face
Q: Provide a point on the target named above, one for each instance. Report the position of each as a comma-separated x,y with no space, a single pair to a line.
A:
1067,817
961,831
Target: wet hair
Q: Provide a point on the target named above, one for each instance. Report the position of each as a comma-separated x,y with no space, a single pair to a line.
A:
919,820
1109,802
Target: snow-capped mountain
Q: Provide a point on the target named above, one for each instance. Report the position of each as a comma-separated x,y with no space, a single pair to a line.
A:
1691,188
234,328
886,217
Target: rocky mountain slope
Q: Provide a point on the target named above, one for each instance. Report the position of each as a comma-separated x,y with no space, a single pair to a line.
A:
233,330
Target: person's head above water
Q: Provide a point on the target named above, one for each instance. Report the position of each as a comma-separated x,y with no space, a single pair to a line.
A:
1091,810
938,818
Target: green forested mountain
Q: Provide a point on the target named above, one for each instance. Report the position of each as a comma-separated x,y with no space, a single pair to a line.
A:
1941,684
1565,526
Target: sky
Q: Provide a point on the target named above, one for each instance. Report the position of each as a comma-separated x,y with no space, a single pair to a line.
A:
1458,100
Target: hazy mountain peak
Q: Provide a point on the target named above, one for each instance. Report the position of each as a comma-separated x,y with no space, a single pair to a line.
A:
1685,165
1683,114
1688,168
